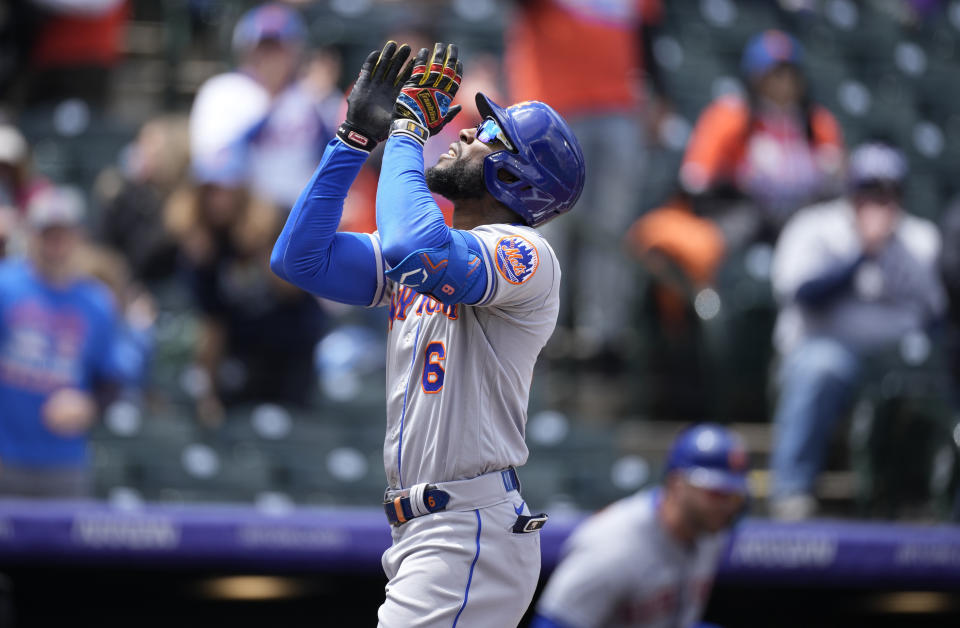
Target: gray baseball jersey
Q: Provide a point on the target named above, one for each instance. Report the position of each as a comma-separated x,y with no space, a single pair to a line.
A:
458,376
621,568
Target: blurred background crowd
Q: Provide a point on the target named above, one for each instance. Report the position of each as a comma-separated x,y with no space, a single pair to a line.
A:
769,238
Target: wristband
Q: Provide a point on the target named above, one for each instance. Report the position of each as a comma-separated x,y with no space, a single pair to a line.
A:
355,138
405,126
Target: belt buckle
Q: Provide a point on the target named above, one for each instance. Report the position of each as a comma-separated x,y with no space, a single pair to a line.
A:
394,511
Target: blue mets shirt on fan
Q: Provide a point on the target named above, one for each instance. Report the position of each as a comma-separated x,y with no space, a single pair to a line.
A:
50,338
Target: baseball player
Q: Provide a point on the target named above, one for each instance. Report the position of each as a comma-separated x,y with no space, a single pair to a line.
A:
648,560
470,307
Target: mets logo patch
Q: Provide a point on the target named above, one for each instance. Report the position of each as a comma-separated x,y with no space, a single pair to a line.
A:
517,259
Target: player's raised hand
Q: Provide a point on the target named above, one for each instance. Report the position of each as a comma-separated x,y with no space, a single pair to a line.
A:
371,103
427,95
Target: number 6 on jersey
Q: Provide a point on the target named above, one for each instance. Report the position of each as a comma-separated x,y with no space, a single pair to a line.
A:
432,380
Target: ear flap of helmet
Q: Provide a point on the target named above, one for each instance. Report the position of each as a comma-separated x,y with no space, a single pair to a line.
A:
519,191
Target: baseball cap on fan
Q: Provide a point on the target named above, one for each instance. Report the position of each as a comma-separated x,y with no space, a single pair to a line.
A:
272,21
876,163
768,50
56,207
711,457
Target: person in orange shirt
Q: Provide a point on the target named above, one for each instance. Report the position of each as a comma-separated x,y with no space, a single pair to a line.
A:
749,165
776,147
74,49
553,39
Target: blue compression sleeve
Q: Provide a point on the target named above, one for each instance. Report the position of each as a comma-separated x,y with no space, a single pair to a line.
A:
820,290
310,253
409,220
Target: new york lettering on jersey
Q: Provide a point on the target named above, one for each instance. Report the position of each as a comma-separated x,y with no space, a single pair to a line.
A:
403,299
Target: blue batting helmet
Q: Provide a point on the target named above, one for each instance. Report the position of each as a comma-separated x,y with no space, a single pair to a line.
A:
710,456
546,165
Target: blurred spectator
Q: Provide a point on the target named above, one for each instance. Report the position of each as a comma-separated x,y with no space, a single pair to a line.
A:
57,345
749,165
321,78
550,41
137,311
17,186
131,221
17,181
853,277
75,46
777,148
266,110
258,333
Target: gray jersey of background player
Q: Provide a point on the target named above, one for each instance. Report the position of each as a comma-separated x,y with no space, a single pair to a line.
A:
470,308
649,560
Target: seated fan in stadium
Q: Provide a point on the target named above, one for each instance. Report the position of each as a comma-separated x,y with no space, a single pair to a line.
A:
750,163
853,277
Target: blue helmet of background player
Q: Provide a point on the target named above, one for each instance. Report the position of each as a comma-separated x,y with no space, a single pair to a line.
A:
712,457
546,165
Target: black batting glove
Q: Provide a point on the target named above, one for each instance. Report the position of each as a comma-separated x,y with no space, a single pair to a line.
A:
423,106
371,103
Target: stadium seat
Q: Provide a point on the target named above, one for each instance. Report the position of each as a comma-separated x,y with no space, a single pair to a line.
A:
902,441
216,474
924,195
939,90
331,476
870,44
734,23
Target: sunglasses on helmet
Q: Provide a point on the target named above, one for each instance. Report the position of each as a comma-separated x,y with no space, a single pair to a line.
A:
489,131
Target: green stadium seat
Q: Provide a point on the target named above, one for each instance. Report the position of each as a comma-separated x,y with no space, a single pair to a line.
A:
748,21
336,476
902,443
869,45
197,469
924,196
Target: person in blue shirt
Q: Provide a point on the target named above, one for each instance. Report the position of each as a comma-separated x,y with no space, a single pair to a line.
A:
57,345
